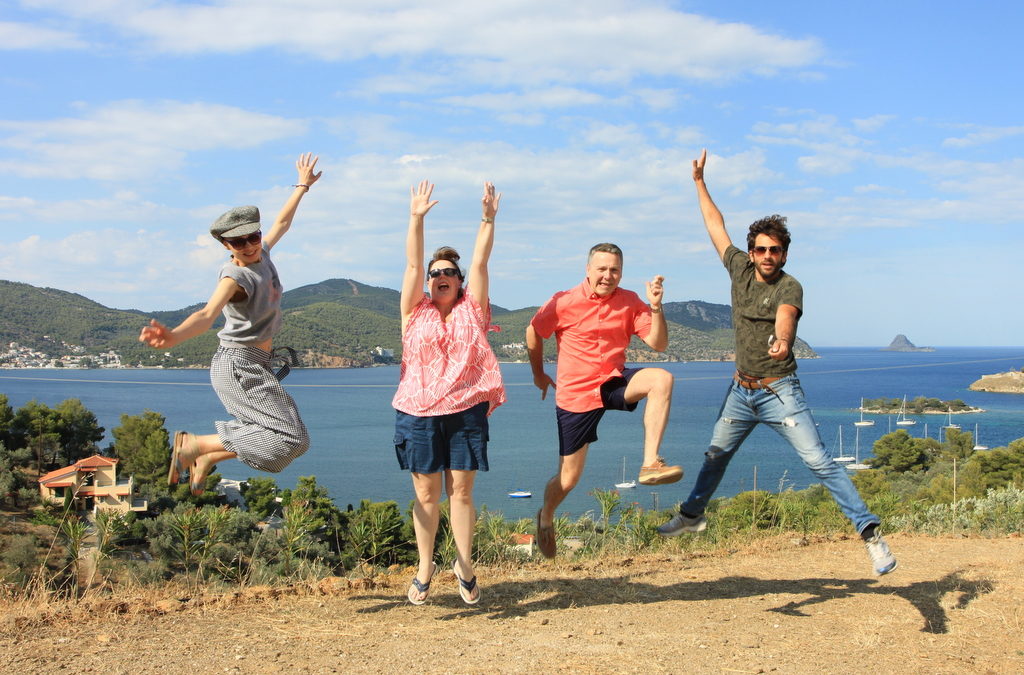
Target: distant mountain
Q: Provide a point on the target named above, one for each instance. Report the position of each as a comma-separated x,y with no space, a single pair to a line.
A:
900,343
334,323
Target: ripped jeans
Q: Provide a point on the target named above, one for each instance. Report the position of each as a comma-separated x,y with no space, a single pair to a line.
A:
786,412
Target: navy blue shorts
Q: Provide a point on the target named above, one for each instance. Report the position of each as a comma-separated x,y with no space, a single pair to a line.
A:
577,429
432,444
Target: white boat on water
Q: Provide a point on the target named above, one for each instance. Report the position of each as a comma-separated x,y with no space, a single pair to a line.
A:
857,466
520,494
949,420
841,458
901,418
977,443
863,422
625,484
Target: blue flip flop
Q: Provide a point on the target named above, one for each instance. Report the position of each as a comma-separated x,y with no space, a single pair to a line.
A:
420,587
466,587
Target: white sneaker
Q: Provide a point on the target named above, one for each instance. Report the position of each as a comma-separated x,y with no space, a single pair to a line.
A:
680,523
882,558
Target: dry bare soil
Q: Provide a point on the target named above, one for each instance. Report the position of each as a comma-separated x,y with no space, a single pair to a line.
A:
955,605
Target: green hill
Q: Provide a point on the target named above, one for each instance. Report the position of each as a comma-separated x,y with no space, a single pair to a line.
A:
335,323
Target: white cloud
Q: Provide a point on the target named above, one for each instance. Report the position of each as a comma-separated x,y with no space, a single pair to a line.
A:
873,123
983,135
17,36
131,140
499,42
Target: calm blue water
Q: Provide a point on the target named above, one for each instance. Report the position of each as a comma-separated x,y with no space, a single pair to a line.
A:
351,421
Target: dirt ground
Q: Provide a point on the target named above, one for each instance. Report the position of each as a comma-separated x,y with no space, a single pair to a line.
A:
955,605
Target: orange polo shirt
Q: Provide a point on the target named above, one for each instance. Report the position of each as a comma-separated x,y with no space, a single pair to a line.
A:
592,334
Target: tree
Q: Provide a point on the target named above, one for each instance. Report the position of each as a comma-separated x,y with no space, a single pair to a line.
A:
329,521
959,444
79,431
6,419
141,443
261,495
898,452
35,427
1000,467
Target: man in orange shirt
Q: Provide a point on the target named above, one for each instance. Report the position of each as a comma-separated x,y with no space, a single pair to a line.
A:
593,324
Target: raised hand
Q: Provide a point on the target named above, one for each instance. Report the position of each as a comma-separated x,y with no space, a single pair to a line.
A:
155,335
489,202
655,291
698,166
419,199
305,165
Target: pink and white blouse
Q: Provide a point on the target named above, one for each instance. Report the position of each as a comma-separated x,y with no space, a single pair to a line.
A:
448,366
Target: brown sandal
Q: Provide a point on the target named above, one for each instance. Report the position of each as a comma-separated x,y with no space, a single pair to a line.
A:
183,455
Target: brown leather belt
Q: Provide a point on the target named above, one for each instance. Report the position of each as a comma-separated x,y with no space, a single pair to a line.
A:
751,382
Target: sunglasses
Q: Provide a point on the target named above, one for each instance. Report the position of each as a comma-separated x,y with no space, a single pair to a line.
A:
447,271
241,242
761,250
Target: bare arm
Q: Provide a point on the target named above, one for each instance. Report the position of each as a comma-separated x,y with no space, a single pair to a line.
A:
713,220
158,336
479,281
412,281
657,339
785,332
305,166
535,348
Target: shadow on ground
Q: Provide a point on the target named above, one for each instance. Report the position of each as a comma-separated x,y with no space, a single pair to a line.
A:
511,599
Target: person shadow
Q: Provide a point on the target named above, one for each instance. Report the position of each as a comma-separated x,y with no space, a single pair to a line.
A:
504,600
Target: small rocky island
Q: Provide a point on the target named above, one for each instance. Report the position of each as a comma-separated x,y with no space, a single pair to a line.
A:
918,406
900,343
1001,383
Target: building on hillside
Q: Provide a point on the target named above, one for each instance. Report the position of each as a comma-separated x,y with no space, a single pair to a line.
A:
92,482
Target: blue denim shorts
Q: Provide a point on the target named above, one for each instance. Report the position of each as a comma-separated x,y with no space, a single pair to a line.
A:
435,443
577,429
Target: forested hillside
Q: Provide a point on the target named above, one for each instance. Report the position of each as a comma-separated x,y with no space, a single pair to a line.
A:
335,323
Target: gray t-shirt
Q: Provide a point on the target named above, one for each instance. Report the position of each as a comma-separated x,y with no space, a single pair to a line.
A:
257,318
754,305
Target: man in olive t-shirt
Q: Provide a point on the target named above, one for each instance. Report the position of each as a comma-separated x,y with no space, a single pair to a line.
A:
766,305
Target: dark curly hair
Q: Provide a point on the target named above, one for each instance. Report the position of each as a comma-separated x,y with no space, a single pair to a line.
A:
774,227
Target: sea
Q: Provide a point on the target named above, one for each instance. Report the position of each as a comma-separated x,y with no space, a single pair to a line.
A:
351,422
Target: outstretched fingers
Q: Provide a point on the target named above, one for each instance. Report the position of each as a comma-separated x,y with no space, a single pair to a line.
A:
698,165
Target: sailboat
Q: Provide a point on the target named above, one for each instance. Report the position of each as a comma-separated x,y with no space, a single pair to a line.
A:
977,443
841,458
625,484
901,418
949,421
857,466
863,422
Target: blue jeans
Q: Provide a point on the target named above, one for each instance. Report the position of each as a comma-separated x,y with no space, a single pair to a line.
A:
787,413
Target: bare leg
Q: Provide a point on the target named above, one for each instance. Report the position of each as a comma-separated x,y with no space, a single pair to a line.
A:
426,514
570,470
463,515
654,384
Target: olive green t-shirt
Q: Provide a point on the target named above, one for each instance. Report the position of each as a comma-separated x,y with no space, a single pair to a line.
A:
754,305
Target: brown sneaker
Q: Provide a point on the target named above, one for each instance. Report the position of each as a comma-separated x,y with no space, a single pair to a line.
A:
659,473
545,538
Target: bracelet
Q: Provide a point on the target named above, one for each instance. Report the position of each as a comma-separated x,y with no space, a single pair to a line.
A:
656,311
302,185
487,220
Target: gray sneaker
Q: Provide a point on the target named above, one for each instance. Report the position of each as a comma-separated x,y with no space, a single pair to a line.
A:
681,523
882,558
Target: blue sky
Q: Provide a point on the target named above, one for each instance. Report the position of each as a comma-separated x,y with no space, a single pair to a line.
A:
890,134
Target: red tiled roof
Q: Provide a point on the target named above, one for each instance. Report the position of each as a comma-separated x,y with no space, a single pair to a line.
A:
81,466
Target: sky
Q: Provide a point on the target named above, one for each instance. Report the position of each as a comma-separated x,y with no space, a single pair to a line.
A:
889,134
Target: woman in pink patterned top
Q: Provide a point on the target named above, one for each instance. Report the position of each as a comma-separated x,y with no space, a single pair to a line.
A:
450,383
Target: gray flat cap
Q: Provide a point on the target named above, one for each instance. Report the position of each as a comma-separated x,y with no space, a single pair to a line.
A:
237,222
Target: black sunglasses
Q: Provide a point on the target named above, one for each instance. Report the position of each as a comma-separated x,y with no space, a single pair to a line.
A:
761,250
447,271
240,242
